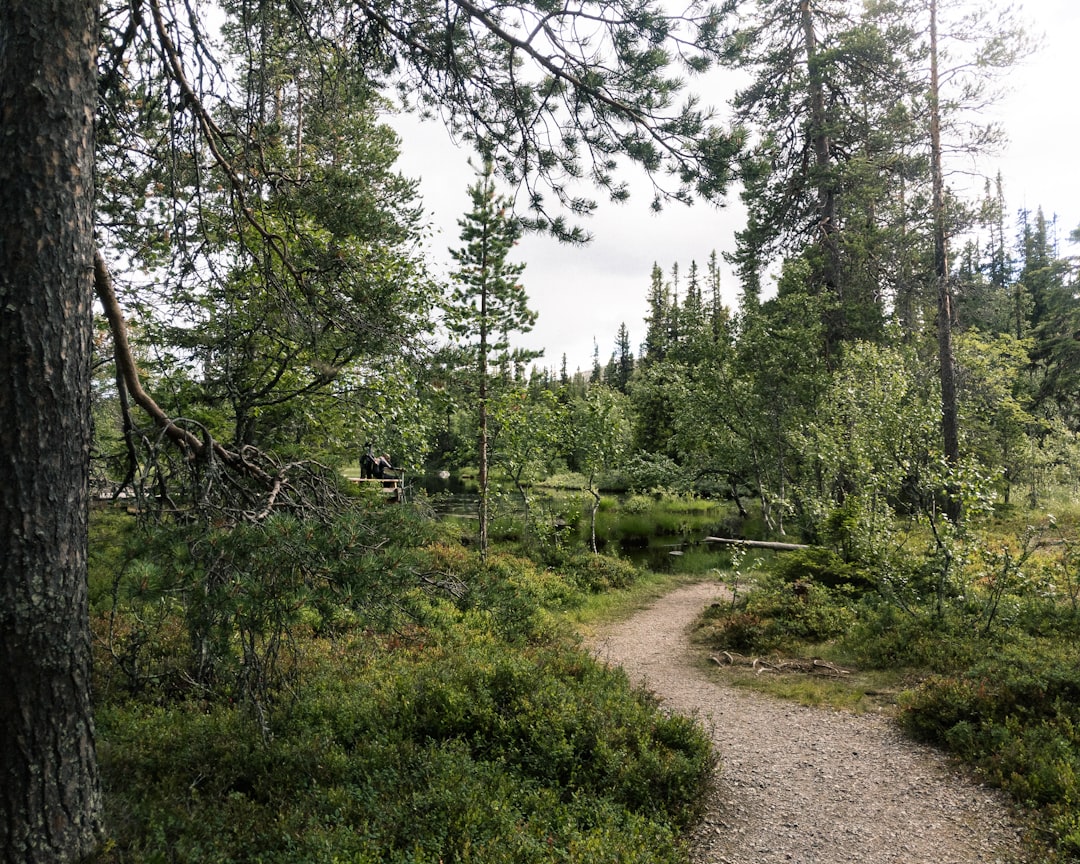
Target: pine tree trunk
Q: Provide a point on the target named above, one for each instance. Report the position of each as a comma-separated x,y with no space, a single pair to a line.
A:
49,797
483,443
949,413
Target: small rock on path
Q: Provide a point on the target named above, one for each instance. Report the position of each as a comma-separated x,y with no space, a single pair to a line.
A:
807,785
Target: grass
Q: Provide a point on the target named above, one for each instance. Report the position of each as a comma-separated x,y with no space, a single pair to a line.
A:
861,691
608,607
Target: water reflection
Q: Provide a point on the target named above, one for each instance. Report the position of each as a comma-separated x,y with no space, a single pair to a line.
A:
450,495
661,535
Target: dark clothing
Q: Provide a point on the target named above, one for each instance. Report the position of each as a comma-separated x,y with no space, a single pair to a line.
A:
368,468
384,470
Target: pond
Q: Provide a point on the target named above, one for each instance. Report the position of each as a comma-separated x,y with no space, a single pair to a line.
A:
667,534
658,533
450,495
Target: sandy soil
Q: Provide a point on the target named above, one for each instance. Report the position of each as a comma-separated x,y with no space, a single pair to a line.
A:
807,785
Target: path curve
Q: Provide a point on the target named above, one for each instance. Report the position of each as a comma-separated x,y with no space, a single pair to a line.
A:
806,785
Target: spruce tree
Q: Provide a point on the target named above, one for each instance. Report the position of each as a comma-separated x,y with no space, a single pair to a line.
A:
658,322
487,303
623,360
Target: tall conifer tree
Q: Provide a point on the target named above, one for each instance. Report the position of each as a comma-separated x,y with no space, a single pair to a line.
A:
623,360
49,794
488,302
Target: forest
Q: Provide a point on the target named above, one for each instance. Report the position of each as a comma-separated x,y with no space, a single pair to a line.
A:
221,643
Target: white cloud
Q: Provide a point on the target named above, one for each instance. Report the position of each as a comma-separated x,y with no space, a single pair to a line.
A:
1039,167
584,293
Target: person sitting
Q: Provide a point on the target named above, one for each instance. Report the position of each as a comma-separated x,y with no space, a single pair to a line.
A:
383,469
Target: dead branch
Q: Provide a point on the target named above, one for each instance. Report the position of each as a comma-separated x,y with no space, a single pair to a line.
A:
250,478
780,665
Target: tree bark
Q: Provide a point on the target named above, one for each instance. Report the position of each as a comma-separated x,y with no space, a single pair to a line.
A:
49,792
483,409
949,413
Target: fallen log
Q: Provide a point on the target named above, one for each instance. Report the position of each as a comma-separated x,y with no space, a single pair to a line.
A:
757,544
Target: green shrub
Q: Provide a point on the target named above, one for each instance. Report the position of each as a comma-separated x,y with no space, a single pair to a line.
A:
777,614
111,530
517,596
218,609
818,565
886,637
1015,716
638,503
737,630
449,748
595,573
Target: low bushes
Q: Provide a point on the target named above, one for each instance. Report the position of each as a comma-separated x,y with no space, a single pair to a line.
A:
1001,690
450,752
432,714
1015,715
788,605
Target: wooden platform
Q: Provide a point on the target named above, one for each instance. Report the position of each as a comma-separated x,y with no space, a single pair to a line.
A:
394,487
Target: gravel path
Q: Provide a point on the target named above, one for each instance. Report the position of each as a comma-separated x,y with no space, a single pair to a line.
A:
807,785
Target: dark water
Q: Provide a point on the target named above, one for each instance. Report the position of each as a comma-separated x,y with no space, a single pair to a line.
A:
450,495
664,553
460,504
438,484
661,552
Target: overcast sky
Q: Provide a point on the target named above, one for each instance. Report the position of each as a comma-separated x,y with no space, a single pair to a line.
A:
585,293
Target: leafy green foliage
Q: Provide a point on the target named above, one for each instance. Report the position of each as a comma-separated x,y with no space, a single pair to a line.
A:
460,731
217,611
600,439
871,442
527,435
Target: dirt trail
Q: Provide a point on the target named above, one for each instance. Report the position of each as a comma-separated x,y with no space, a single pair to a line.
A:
807,785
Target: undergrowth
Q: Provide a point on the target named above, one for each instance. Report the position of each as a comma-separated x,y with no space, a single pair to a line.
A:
1000,691
437,713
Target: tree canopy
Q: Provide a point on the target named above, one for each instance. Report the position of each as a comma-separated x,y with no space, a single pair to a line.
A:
268,306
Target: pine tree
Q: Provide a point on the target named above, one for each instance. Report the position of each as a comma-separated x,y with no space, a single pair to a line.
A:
487,303
950,428
825,96
623,360
50,803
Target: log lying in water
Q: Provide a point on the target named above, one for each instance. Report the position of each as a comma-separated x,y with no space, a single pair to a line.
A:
757,544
